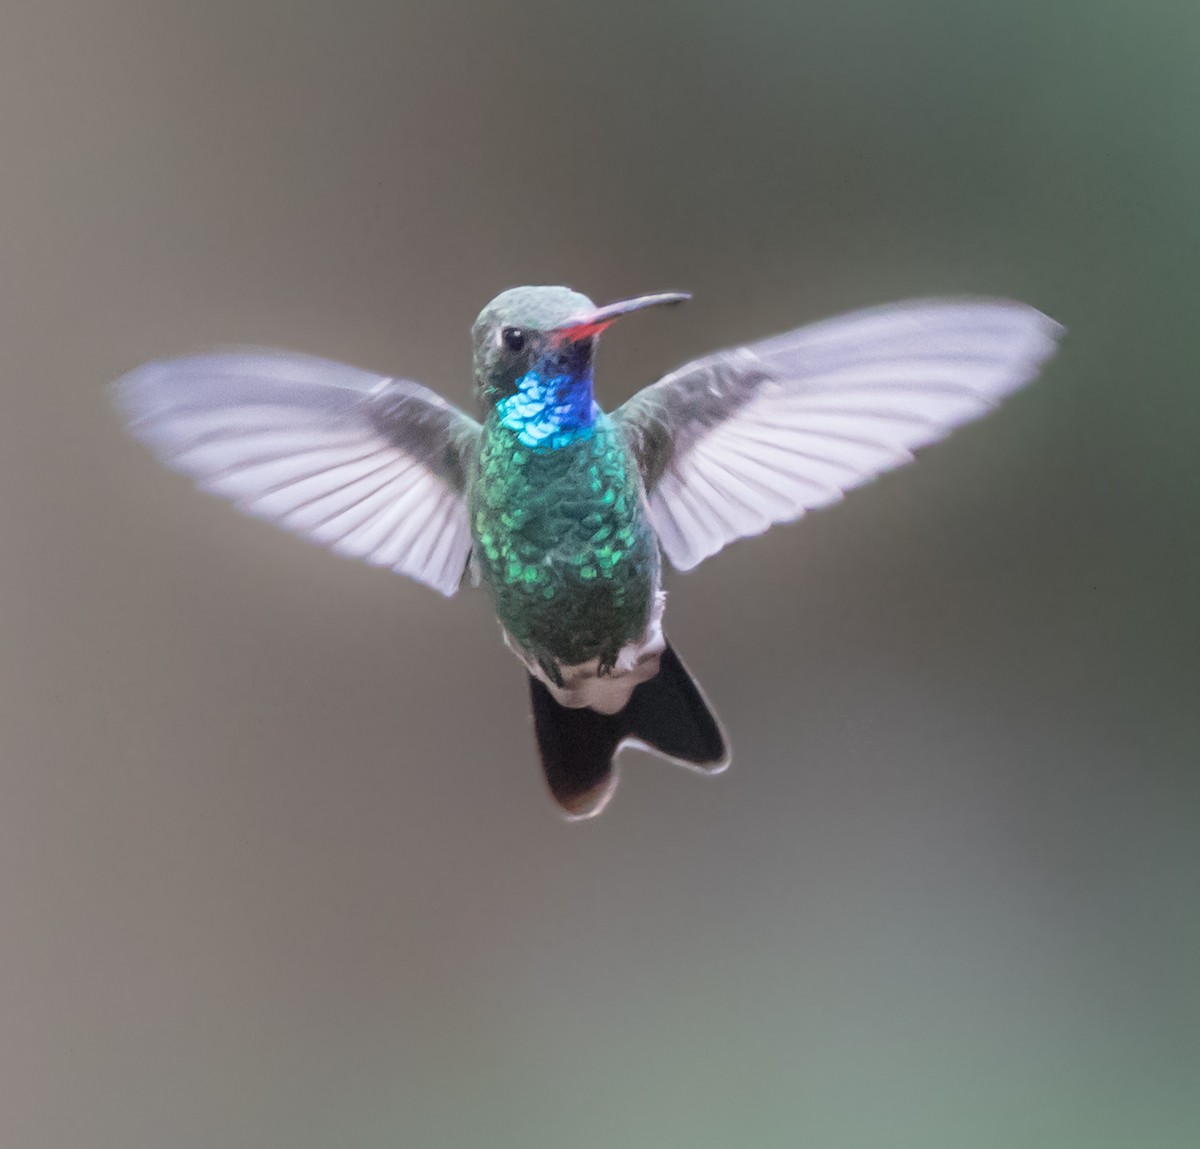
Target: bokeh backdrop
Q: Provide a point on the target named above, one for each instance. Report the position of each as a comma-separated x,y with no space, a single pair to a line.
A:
276,863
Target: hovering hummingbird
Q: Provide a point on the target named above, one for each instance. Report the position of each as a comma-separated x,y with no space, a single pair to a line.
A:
563,511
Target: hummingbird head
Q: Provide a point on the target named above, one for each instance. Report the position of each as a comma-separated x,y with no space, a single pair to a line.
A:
533,352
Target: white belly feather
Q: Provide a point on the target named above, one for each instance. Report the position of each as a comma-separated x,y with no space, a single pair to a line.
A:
582,685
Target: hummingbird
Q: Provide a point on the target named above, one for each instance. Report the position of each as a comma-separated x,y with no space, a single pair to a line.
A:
565,513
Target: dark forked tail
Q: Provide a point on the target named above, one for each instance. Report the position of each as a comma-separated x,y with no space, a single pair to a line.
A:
667,715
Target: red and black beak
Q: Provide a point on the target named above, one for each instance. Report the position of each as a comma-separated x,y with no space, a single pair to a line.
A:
591,323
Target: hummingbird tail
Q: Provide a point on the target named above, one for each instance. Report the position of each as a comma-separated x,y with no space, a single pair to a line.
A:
668,715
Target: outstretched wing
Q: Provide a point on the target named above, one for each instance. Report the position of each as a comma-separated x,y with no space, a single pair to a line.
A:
371,466
742,439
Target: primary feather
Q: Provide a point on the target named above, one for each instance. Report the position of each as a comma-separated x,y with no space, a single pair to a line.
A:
370,466
736,441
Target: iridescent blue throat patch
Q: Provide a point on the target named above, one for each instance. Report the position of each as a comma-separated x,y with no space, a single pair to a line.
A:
549,412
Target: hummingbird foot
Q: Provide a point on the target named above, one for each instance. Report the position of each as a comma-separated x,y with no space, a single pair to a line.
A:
550,669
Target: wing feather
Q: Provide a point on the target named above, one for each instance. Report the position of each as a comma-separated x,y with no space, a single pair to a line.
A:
370,466
739,440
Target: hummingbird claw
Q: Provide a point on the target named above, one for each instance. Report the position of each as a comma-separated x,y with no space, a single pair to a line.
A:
551,669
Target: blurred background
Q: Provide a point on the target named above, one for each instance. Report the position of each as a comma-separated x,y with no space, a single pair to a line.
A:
276,863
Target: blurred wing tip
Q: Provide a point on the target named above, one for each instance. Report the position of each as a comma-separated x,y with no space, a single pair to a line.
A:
1049,331
1036,335
254,363
132,397
997,304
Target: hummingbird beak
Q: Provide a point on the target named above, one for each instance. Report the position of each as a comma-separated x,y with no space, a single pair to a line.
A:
593,322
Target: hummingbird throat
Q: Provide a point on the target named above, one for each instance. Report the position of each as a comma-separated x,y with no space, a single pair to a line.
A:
551,407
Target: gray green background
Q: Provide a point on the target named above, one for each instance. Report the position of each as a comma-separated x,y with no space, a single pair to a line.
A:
276,864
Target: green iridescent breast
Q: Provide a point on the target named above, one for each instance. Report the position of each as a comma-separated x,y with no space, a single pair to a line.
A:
561,541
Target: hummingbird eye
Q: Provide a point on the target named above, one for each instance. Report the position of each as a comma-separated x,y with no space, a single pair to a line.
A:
513,337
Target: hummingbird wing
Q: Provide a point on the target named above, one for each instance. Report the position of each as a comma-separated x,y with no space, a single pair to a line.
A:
741,439
370,466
